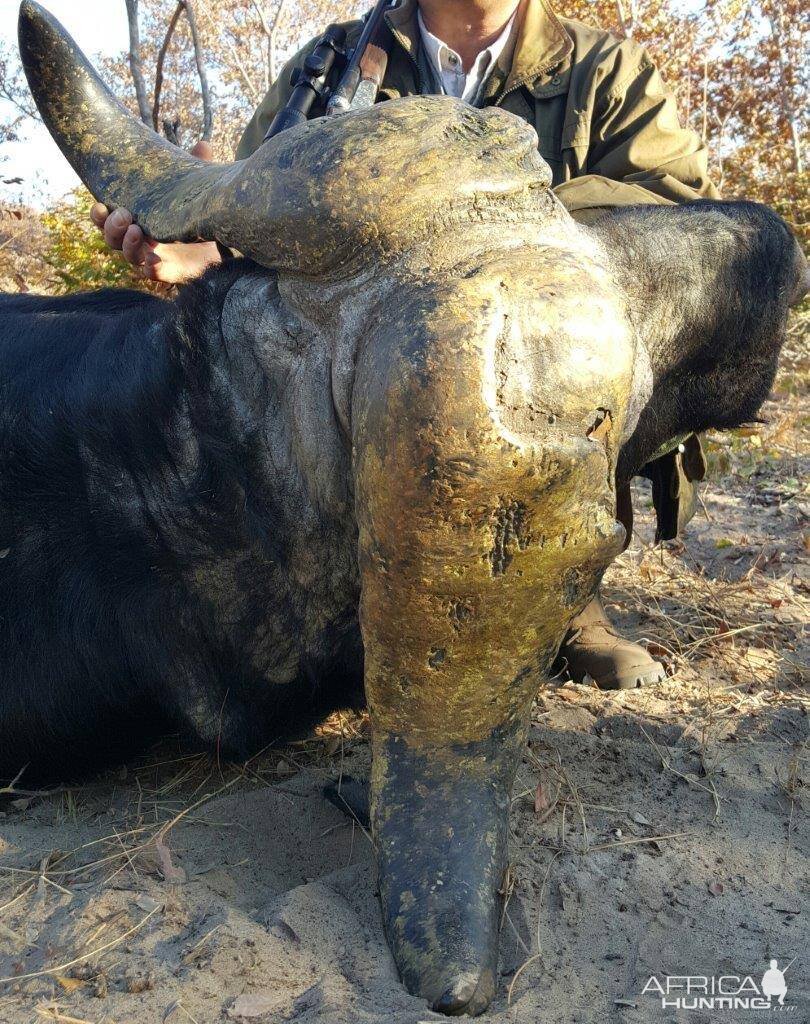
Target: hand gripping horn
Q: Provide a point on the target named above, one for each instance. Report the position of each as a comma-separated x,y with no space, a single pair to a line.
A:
308,200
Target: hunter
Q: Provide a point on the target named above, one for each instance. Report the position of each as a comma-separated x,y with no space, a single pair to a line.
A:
609,130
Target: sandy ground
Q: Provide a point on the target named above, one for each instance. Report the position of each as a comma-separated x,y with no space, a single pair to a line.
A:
654,833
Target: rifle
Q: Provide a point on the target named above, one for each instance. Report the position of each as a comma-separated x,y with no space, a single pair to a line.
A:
359,74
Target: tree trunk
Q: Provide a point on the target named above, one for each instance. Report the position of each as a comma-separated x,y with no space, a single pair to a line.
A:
135,65
786,98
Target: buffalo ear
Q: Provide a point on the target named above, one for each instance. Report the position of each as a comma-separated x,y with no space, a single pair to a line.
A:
679,266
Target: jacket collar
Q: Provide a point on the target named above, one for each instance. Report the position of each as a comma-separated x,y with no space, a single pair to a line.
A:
542,43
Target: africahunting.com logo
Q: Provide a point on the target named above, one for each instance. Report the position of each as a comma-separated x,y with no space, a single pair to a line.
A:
723,992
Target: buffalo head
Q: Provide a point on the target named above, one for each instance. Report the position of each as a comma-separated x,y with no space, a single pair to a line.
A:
478,338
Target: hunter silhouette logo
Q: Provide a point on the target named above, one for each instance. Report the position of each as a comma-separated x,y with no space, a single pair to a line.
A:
774,985
722,992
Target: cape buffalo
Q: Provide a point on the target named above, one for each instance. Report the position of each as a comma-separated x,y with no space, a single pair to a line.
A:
362,466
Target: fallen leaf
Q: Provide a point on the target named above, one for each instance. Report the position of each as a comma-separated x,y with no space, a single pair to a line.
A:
146,903
84,972
68,984
541,800
639,819
9,933
282,930
251,1007
135,983
716,888
170,872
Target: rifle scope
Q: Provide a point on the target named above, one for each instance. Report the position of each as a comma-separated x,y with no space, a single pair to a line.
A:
309,82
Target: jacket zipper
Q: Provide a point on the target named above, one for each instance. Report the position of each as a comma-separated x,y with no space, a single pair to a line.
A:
525,81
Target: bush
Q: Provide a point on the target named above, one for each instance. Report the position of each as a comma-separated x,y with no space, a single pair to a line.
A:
76,253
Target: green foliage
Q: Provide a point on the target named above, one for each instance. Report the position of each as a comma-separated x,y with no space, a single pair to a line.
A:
76,251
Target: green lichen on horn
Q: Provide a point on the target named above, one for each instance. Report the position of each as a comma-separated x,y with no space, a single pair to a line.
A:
313,199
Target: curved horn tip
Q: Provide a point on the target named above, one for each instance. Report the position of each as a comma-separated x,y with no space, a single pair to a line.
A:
31,12
34,23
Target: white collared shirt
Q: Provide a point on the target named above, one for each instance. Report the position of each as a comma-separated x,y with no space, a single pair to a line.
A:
448,66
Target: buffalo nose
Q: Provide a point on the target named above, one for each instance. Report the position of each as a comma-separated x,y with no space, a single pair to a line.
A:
802,287
469,994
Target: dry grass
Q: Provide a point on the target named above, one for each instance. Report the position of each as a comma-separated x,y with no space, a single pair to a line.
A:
159,793
728,610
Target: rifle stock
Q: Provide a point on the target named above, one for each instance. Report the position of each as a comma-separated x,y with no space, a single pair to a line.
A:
364,72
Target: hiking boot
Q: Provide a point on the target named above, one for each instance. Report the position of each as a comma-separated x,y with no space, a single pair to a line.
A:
592,648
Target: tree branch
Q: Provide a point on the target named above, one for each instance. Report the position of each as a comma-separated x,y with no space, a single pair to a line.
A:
13,88
254,94
268,72
135,65
625,21
270,29
161,60
784,94
205,88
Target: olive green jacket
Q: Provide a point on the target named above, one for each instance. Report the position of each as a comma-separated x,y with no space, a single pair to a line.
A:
606,125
